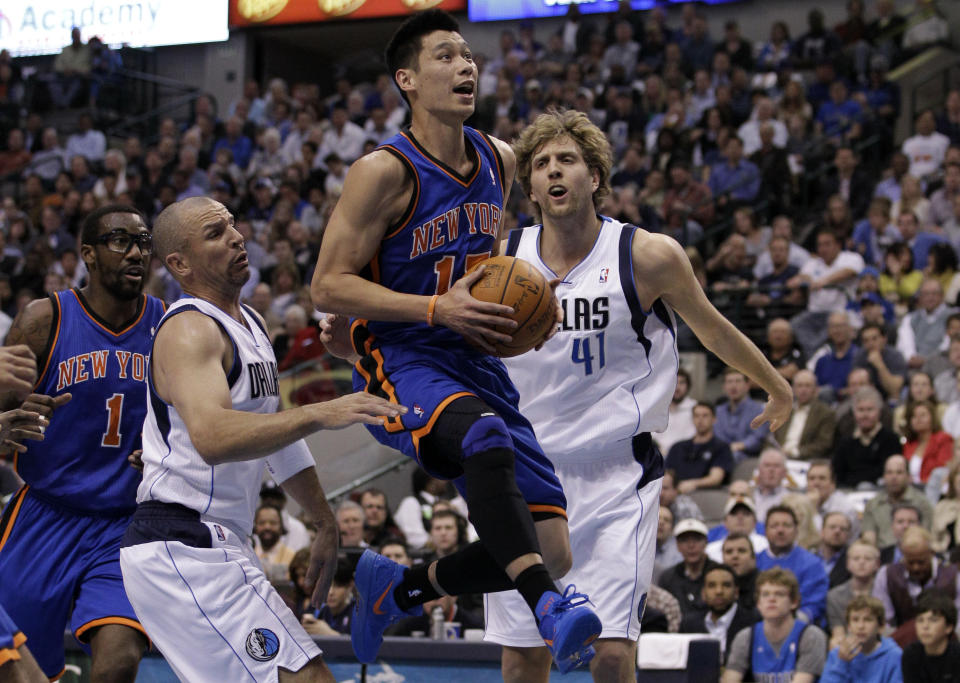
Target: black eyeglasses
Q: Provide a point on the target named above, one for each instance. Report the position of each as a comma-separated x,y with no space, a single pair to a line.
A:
119,241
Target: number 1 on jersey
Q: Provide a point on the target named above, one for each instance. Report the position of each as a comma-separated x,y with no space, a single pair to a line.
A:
111,437
444,269
581,353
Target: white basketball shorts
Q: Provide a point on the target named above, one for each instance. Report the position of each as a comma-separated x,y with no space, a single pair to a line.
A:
613,538
211,611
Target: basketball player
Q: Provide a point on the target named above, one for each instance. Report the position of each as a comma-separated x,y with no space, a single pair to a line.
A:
17,664
414,215
596,390
60,534
212,428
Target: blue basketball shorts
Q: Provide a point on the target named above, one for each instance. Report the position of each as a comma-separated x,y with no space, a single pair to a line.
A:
11,638
428,379
60,567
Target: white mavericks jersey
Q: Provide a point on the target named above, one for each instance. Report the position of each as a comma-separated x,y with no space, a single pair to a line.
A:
173,471
611,370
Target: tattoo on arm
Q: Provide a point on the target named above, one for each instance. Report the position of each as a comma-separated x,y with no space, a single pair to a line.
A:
32,327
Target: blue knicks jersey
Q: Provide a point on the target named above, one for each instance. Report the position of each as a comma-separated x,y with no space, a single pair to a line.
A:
451,224
82,462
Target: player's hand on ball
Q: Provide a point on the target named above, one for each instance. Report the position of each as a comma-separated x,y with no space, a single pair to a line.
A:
19,425
335,335
359,407
18,370
478,321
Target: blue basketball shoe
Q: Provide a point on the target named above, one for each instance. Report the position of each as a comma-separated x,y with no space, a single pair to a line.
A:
375,578
568,627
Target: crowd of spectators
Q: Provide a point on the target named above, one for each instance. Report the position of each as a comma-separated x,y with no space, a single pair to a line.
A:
770,158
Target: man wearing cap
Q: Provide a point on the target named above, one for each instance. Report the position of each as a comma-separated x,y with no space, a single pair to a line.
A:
685,579
724,617
886,365
739,516
703,461
808,434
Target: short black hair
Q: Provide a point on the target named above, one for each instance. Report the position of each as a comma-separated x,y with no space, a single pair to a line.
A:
936,601
739,535
706,404
91,224
404,46
344,574
783,509
722,567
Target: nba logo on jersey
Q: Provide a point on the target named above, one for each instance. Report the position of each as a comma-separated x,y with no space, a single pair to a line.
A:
418,411
604,273
219,531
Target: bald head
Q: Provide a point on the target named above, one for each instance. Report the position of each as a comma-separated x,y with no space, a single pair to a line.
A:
916,539
172,227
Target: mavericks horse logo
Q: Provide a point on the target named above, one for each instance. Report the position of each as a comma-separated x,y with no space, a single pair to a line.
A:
262,644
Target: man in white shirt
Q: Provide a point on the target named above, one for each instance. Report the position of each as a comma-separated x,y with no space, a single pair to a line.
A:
831,277
378,127
822,492
680,423
922,332
343,138
927,148
300,133
749,132
87,142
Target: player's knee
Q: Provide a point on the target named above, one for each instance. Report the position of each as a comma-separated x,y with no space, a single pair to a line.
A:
120,667
487,433
614,661
525,665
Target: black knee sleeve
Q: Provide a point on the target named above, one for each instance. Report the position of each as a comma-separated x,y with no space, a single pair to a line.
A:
497,510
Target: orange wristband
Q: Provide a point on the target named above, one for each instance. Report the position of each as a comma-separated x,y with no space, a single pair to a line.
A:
430,309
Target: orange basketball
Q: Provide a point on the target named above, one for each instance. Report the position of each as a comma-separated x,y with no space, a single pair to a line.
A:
514,282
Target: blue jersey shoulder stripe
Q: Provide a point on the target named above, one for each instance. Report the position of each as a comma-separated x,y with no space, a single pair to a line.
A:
513,241
637,316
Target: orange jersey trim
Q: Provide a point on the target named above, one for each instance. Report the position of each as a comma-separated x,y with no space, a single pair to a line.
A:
11,654
59,675
104,621
53,346
143,310
414,198
469,180
418,434
496,155
15,510
393,424
555,509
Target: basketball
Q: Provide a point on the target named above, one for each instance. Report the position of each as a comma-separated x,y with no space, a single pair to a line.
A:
514,282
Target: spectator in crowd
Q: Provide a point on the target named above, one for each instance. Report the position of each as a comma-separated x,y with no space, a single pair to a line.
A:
781,529
913,202
274,555
415,511
333,617
897,585
920,389
724,617
734,181
686,199
350,522
832,550
772,289
680,422
738,554
782,351
887,367
801,646
903,516
830,278
849,181
453,611
396,550
378,524
875,233
878,514
832,363
70,71
685,579
87,142
295,533
448,531
922,332
15,157
739,517
927,148
667,553
808,433
928,446
946,513
808,534
734,417
863,654
823,494
863,561
774,54
941,201
681,505
899,280
763,114
889,187
240,146
703,461
344,138
935,656
840,118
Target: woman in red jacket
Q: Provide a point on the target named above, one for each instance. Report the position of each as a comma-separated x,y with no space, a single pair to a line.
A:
927,446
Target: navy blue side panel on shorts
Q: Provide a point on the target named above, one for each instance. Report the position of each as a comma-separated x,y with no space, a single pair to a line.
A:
60,566
426,380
